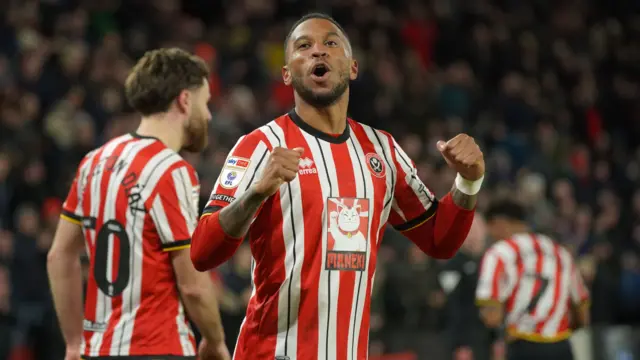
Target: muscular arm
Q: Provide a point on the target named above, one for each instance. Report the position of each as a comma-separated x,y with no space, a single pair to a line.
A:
235,219
220,232
65,278
467,202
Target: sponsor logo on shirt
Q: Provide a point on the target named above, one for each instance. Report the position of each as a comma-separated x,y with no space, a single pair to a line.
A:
233,172
347,234
306,166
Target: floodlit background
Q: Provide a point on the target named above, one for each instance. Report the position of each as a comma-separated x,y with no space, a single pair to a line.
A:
549,88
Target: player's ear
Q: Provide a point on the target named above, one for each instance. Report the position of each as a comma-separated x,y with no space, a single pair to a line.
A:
353,74
184,101
286,75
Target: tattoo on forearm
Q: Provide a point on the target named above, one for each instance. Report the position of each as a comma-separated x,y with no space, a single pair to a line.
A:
235,219
463,200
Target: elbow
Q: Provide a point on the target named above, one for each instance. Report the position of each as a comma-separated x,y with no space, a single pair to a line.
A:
198,260
192,292
444,254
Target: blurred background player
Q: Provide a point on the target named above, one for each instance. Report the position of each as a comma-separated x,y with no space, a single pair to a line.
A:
469,338
531,284
133,207
314,190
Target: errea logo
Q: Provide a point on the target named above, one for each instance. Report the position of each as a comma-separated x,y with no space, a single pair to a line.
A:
306,166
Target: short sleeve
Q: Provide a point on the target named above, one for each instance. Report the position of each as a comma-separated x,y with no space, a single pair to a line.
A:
578,289
72,206
174,209
413,203
241,169
491,282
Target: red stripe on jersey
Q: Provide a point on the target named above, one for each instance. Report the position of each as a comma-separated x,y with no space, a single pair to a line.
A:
537,284
120,215
379,188
496,278
556,289
91,297
310,272
346,185
405,197
519,270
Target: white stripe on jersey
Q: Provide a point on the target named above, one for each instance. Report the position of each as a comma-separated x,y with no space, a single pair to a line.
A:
364,189
188,207
103,304
412,177
323,285
333,282
381,144
149,177
289,295
130,152
562,302
527,283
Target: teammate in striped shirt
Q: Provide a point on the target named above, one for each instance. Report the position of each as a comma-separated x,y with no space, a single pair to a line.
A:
133,207
530,283
314,191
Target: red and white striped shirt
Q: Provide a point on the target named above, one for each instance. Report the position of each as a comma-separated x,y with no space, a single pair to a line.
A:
136,201
315,242
537,281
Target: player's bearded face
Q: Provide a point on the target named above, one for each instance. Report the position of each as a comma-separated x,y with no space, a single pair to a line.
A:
320,96
196,129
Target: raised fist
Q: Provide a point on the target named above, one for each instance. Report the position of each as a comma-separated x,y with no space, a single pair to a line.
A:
282,167
463,155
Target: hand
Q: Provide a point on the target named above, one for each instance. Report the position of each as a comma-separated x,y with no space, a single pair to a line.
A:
463,155
211,352
73,354
282,167
463,353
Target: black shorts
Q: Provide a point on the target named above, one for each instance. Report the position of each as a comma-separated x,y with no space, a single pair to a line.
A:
526,350
145,357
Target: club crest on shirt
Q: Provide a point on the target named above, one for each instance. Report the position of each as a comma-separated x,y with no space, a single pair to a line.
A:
376,165
347,234
233,171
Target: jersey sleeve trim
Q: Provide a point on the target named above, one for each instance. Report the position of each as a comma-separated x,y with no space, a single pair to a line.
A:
71,217
421,219
488,302
210,210
176,245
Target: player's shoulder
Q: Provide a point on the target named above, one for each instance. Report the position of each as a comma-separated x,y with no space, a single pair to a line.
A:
370,130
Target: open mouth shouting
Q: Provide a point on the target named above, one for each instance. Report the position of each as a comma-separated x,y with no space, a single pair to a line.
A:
320,72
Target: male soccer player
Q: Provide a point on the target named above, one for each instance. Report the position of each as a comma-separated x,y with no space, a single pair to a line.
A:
314,191
133,205
531,283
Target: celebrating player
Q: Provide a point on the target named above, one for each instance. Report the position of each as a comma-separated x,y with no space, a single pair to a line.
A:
534,283
314,191
133,205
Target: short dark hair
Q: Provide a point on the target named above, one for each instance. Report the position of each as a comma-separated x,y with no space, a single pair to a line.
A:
159,77
314,15
506,208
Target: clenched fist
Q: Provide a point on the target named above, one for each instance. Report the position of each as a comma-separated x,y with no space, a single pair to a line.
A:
282,167
463,155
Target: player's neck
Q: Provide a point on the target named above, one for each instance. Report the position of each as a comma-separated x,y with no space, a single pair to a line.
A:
158,126
330,120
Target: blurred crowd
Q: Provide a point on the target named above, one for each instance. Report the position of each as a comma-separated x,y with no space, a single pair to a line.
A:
548,88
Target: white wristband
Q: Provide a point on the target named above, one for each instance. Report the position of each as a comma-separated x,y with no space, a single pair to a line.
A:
468,187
